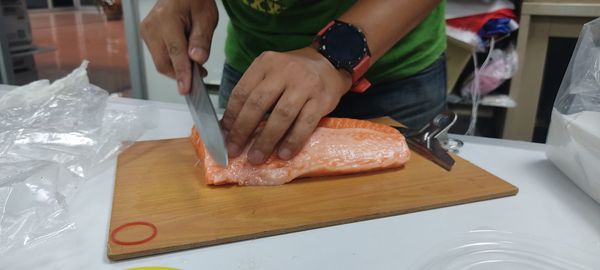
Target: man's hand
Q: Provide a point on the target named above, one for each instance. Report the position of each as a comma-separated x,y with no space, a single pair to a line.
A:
177,30
299,86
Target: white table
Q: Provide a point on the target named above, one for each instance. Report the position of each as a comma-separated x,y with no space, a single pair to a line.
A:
548,205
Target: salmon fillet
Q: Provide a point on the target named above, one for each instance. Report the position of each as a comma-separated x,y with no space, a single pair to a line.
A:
337,146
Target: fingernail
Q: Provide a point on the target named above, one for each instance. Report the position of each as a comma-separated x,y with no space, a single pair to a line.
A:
256,157
285,153
197,54
180,86
232,149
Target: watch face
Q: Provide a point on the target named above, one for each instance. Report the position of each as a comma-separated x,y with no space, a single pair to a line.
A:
344,45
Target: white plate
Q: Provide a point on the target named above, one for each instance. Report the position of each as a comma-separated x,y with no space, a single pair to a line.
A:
495,250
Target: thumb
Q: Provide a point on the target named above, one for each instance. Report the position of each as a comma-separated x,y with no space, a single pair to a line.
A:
204,16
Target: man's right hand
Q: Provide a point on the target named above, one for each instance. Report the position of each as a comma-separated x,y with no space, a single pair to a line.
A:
177,30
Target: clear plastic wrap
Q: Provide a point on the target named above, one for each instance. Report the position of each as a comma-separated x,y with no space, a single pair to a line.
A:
52,136
488,249
574,135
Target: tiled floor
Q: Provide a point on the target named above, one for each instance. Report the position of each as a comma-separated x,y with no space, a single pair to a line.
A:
79,35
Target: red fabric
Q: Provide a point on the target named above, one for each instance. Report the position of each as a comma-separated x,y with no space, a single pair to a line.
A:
476,22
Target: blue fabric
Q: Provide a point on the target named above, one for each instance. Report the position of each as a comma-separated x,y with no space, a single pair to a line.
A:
494,27
413,101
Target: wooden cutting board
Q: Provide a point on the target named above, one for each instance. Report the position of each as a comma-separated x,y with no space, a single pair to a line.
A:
161,203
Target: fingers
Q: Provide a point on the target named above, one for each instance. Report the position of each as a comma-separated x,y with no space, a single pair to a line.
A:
164,32
304,90
176,44
254,108
154,40
252,77
282,117
303,127
204,20
161,59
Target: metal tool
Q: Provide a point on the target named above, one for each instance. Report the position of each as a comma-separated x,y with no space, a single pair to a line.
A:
427,140
205,118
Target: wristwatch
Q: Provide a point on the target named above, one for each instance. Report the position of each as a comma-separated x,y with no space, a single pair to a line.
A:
345,46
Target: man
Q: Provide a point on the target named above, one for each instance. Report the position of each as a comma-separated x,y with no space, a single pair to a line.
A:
290,58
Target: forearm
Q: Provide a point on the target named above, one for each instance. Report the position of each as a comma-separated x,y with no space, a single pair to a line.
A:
385,22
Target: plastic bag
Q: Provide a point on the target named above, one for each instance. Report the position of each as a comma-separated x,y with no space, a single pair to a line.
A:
500,67
574,135
52,136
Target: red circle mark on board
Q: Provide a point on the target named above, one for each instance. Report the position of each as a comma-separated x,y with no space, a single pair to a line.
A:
135,223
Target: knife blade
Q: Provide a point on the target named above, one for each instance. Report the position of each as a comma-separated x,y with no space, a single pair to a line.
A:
205,118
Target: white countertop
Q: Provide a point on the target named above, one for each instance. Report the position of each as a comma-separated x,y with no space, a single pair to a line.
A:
548,206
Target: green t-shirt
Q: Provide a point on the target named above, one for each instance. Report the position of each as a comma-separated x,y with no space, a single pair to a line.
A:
283,25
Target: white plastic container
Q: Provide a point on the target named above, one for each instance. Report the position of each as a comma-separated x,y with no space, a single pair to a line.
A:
574,147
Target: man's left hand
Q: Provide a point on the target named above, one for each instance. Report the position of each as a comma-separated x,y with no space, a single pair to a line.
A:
299,86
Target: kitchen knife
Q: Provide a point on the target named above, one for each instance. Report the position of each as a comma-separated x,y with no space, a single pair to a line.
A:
205,118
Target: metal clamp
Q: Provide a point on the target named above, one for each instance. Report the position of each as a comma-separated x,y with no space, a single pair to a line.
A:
427,141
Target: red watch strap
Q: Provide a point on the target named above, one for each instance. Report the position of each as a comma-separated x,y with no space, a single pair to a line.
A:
360,86
322,31
359,83
361,68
